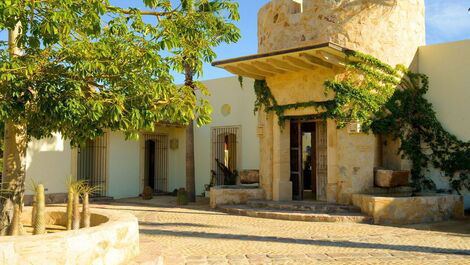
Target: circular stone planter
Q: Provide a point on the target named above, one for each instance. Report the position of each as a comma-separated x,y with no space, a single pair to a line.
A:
113,239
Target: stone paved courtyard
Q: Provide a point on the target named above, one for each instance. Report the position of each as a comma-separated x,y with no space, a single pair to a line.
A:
198,235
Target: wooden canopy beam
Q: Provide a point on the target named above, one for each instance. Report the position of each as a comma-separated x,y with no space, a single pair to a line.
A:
284,65
240,72
253,69
316,60
300,63
334,59
268,67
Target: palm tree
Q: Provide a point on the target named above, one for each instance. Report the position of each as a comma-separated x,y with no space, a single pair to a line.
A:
208,22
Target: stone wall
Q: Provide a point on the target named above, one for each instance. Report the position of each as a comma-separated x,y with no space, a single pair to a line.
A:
113,240
391,30
226,195
410,210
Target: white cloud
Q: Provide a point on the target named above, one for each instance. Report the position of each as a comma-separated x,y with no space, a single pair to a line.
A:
447,20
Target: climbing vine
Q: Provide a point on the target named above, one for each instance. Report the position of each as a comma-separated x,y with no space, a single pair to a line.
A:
389,101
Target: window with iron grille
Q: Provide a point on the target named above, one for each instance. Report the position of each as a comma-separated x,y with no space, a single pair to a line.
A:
92,164
225,149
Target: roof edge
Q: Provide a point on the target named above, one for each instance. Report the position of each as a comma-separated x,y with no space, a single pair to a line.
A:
280,52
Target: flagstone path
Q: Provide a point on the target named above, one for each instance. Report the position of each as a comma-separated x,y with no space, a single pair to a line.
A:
198,235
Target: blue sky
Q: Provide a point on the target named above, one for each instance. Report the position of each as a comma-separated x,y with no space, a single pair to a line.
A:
446,21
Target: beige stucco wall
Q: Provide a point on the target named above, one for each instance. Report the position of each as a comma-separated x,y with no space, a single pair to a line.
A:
123,166
241,99
448,67
49,161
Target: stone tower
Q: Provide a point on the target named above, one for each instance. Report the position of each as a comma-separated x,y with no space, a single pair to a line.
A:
390,30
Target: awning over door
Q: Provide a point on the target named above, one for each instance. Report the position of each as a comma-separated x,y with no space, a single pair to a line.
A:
259,66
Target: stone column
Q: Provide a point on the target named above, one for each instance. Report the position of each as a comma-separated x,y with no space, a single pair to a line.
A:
265,134
333,180
282,186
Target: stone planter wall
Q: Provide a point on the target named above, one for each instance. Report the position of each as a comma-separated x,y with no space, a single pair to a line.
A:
225,195
113,240
410,210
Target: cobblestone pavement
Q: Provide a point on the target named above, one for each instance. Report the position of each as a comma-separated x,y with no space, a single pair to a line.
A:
198,235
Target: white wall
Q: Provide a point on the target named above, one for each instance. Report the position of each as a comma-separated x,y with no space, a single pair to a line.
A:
448,68
48,161
123,167
241,99
176,157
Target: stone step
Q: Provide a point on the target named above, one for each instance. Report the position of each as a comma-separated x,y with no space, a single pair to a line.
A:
314,206
292,215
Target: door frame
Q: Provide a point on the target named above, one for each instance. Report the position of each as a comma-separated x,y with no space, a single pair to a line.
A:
142,140
314,182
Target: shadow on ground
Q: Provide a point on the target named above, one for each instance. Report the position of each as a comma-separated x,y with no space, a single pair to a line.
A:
313,242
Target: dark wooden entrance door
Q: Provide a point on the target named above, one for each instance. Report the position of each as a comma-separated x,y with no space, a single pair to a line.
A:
150,164
308,159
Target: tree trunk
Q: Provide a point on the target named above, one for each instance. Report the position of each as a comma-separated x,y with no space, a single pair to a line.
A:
14,154
14,228
190,167
14,157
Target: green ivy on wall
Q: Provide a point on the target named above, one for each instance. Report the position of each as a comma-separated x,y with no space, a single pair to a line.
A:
389,101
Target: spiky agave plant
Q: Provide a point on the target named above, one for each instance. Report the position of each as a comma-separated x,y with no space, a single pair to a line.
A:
73,203
86,191
71,183
33,187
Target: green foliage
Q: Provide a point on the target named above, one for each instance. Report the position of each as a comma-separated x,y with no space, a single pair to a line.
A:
409,117
358,95
87,66
390,101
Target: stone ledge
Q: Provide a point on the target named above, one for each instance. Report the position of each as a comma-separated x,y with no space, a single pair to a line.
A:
225,195
113,241
410,210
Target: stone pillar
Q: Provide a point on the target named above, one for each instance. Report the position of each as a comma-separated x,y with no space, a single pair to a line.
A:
282,186
265,134
333,180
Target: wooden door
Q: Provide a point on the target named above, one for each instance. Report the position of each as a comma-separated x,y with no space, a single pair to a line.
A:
296,160
321,160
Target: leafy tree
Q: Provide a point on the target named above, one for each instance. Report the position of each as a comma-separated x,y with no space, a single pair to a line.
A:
200,26
80,67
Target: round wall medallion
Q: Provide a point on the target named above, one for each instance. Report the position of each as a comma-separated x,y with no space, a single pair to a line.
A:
226,109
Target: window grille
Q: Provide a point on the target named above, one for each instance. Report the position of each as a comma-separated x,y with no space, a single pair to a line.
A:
225,148
92,164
